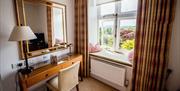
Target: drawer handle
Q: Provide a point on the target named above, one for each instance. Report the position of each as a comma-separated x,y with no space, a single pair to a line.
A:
46,75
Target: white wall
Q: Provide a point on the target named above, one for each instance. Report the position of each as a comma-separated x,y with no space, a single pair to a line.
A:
174,80
9,50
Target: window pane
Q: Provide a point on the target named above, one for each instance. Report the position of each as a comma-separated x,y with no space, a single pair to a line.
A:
128,5
108,8
107,33
127,34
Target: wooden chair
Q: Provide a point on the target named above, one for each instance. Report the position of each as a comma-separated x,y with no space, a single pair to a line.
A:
66,80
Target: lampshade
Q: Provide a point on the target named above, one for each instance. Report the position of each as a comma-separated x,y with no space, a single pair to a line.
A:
21,33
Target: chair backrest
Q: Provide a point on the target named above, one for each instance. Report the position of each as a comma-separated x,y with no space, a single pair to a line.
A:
68,77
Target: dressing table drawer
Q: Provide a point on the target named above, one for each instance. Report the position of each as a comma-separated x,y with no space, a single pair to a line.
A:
41,76
47,73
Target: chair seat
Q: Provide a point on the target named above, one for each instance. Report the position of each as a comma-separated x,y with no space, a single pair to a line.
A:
53,83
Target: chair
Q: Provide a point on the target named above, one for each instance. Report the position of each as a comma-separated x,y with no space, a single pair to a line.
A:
66,80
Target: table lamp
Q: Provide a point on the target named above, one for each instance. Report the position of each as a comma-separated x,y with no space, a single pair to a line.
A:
23,33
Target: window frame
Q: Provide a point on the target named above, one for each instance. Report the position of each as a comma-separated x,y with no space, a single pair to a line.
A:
101,37
117,16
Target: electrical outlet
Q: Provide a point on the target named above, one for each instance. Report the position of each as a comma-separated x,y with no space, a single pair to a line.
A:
126,83
17,66
13,66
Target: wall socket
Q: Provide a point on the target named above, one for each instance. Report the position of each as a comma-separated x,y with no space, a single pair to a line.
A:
17,66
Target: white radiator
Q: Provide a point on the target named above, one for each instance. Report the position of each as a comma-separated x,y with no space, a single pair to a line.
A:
112,73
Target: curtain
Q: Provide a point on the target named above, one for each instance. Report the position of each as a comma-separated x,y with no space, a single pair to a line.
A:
153,33
49,25
81,32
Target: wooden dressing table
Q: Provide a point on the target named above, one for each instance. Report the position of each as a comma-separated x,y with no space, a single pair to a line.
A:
47,71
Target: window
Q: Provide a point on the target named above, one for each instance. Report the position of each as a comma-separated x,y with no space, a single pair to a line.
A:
107,33
117,24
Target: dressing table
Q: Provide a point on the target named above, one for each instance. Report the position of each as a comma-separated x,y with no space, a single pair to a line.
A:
47,71
48,21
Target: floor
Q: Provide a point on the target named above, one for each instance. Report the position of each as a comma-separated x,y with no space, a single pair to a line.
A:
90,84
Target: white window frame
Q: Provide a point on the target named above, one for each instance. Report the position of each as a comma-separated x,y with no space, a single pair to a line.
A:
117,16
110,19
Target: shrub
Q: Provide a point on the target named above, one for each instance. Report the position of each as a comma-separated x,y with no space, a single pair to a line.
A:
128,44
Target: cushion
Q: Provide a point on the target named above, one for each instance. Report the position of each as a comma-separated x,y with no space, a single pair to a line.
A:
95,48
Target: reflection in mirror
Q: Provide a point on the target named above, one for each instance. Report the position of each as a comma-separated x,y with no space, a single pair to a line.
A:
36,18
48,23
58,26
58,30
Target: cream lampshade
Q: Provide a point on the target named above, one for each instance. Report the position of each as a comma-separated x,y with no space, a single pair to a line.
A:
23,33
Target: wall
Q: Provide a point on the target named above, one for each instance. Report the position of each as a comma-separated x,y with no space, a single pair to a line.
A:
9,50
174,81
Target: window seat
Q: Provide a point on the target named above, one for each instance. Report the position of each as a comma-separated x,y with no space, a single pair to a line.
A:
113,56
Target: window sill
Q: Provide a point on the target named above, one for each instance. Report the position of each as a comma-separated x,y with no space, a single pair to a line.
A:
113,56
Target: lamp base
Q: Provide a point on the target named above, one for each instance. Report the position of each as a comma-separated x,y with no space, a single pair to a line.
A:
26,70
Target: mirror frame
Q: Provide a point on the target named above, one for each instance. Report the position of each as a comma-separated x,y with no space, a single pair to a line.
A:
20,12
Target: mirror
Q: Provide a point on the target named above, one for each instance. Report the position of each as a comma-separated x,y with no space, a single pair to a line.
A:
48,22
36,18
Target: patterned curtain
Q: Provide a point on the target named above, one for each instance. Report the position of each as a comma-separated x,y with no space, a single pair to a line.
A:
154,27
49,25
81,32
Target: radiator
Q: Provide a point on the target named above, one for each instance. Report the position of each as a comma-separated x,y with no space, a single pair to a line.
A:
113,74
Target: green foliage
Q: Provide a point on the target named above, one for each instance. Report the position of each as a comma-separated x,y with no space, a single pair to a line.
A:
108,40
132,28
107,36
108,31
128,44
